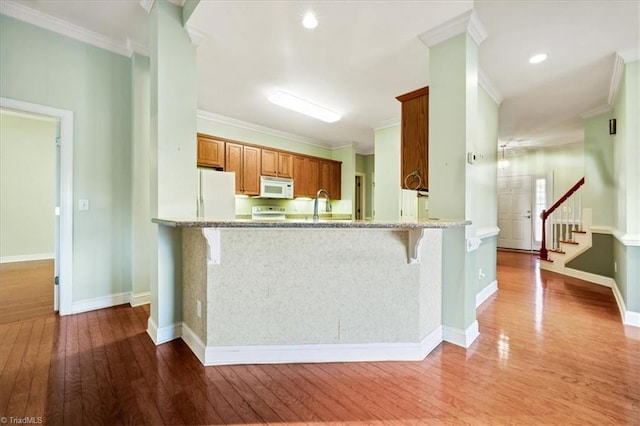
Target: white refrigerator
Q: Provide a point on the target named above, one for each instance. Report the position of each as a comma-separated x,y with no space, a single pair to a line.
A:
216,195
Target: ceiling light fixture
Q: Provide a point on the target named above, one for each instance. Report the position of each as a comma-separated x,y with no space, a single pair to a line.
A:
502,163
309,21
536,59
304,107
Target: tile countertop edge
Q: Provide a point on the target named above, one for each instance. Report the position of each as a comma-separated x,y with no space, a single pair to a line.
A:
243,223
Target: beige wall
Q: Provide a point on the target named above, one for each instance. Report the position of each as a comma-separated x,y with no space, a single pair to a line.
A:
27,186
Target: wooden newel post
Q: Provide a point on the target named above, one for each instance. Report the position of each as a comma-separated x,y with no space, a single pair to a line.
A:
543,243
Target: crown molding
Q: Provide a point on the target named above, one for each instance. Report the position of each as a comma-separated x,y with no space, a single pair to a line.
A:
39,19
195,35
466,22
596,111
386,124
489,87
210,116
147,5
629,55
138,48
616,77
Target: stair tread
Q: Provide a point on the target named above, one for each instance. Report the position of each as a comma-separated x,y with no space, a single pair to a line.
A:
570,242
557,251
579,232
546,260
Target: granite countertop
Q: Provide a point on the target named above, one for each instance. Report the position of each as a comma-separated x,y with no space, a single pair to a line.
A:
302,223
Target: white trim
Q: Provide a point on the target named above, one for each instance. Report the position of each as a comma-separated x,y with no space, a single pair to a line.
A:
137,299
27,257
588,276
473,244
489,231
629,55
628,317
392,122
135,47
66,193
596,111
485,82
100,302
486,293
42,20
195,35
465,22
147,5
210,116
616,77
164,334
285,354
602,230
461,337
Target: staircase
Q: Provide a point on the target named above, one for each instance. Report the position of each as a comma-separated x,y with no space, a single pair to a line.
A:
566,231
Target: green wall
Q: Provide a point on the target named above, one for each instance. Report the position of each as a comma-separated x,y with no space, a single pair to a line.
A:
27,166
599,189
598,259
386,197
42,67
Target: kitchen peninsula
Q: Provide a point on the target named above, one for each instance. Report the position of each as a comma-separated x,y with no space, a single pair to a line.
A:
299,291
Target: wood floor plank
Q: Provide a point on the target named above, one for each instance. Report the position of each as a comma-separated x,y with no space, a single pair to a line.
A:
12,366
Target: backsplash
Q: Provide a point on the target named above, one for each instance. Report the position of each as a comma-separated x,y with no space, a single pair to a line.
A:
296,208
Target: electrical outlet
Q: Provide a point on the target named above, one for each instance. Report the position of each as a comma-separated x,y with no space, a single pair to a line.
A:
480,274
83,205
198,309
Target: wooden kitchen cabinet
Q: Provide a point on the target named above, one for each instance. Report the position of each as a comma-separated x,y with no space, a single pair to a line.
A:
415,139
336,180
245,162
211,152
277,163
306,176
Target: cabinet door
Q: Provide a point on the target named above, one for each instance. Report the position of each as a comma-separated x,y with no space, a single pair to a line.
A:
299,177
269,162
210,152
415,139
336,180
233,160
325,176
251,170
313,176
285,165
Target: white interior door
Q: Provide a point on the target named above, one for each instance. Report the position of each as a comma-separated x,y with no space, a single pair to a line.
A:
514,212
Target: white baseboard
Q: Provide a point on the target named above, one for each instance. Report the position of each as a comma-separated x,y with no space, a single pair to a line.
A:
285,354
164,334
486,292
461,337
628,317
588,276
100,302
138,299
27,257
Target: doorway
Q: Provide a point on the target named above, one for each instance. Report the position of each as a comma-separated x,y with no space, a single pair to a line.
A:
515,212
62,188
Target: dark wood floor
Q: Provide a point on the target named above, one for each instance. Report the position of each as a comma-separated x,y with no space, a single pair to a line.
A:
552,350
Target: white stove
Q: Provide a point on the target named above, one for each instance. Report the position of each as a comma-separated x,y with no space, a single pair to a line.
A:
267,213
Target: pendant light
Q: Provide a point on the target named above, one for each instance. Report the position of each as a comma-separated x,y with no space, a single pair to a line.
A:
502,163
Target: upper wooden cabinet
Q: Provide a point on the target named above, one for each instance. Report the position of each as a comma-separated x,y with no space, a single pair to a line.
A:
277,163
210,152
415,139
249,162
244,160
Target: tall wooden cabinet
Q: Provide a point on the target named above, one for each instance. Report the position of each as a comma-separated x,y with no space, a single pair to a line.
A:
244,160
415,139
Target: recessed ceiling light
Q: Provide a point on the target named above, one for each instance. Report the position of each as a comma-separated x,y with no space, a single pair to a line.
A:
536,59
309,21
304,107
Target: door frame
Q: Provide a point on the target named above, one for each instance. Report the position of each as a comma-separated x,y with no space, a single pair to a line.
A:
531,209
362,193
65,184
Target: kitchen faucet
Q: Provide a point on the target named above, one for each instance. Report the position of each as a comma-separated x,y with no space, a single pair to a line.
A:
315,204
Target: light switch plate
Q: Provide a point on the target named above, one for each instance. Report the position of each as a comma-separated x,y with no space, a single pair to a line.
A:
83,205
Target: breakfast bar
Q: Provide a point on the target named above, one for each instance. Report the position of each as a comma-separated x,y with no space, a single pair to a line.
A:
304,291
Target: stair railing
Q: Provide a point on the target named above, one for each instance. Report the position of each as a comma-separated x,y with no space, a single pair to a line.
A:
564,221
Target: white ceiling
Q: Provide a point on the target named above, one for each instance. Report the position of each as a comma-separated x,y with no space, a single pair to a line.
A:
365,53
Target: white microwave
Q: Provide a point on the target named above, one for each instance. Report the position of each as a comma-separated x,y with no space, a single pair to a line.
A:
273,187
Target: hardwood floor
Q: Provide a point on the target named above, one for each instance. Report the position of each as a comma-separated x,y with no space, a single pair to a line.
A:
552,350
26,290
